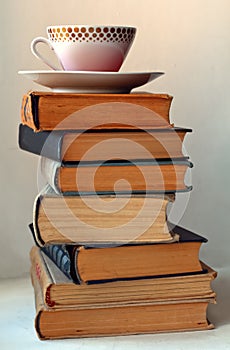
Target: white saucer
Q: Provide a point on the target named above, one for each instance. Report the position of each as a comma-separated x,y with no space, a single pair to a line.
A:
90,82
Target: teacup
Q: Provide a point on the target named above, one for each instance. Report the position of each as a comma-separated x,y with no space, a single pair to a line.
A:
87,47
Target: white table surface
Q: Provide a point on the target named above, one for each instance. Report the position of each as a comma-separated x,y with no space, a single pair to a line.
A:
17,324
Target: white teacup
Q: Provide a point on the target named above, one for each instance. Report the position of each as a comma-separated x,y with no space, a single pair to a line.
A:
87,47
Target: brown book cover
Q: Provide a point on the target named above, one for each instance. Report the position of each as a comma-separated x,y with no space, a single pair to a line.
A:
60,291
64,111
165,176
108,320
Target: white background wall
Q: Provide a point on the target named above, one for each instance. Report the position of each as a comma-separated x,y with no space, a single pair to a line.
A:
190,42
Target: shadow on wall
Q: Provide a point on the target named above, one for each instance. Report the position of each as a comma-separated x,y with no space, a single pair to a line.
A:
219,314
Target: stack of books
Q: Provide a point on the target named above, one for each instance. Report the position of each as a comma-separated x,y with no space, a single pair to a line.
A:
106,260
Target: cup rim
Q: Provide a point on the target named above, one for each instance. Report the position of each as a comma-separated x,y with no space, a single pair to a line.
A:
92,25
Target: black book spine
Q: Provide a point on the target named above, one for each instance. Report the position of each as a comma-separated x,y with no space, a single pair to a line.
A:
47,144
34,104
64,256
60,256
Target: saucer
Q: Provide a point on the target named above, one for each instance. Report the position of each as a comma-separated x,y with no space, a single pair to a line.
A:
90,82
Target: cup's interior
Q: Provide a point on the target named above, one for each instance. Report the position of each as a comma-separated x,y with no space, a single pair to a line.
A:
75,33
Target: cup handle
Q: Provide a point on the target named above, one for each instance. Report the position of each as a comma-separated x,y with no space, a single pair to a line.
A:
38,55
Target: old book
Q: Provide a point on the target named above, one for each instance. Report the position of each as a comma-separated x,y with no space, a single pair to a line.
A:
88,264
130,318
98,220
71,146
164,176
59,291
63,111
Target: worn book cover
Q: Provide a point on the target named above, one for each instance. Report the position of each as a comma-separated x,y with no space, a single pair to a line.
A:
60,290
64,111
93,263
105,219
130,318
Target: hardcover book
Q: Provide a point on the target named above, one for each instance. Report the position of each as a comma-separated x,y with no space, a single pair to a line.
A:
130,318
107,219
164,176
91,145
60,291
63,111
86,264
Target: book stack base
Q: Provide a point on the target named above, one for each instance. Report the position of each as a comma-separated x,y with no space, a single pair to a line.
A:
97,271
152,305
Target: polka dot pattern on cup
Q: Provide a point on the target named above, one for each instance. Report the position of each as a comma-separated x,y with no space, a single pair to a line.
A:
91,34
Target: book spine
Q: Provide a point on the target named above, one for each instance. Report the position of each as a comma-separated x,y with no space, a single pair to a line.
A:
60,256
49,169
42,143
40,273
34,227
29,115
